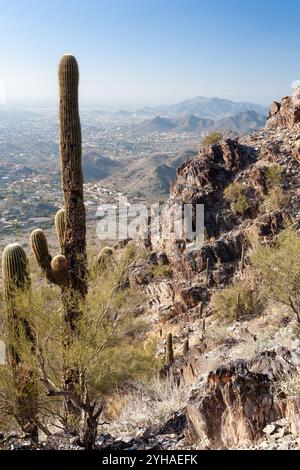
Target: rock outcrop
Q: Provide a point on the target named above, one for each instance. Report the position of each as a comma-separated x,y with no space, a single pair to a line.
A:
236,403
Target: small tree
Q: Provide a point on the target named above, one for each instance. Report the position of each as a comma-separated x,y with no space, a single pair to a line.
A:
237,301
278,270
110,346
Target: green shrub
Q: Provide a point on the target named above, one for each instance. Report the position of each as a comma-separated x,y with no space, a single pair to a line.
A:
276,199
161,270
236,194
237,301
278,270
274,175
212,138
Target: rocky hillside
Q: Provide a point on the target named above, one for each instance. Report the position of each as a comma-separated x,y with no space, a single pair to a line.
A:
234,379
235,365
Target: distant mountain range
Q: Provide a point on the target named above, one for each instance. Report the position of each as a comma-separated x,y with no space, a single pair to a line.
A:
213,108
242,123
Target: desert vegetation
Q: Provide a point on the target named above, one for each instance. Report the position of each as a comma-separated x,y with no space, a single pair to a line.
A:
64,355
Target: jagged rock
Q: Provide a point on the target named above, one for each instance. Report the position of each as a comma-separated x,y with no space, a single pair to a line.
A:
237,401
192,296
141,275
162,258
285,114
274,109
269,224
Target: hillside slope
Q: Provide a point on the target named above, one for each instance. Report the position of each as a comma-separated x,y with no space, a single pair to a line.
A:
234,364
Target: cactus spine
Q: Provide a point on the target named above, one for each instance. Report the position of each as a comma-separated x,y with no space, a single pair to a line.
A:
16,280
169,349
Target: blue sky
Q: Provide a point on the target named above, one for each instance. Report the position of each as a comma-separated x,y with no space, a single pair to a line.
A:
151,51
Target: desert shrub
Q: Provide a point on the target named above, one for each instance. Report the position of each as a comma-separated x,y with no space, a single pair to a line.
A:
289,385
149,405
274,175
236,194
161,270
237,301
110,345
278,270
276,199
212,138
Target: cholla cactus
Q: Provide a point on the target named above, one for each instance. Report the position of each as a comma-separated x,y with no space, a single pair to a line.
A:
16,281
169,349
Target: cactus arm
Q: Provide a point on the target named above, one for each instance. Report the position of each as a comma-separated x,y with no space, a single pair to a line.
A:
56,269
60,227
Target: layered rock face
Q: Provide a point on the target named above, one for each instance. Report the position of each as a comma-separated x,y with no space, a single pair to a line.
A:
203,179
235,405
237,402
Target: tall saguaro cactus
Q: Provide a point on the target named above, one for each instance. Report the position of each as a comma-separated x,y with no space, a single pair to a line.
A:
74,245
16,281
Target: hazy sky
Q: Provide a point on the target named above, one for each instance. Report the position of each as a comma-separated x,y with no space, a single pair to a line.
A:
151,51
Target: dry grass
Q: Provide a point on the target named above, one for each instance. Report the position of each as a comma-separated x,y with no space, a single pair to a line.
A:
149,405
290,385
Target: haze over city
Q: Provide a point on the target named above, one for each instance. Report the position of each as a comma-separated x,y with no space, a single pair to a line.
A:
150,52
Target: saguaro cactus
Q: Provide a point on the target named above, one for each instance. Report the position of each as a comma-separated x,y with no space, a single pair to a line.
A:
60,225
56,269
74,246
16,281
169,349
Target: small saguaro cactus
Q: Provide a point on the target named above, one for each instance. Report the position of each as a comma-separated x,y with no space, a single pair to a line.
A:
207,272
16,281
186,347
242,263
203,332
56,269
14,269
169,349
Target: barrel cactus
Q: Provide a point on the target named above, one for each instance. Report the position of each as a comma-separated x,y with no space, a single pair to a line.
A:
16,282
104,255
